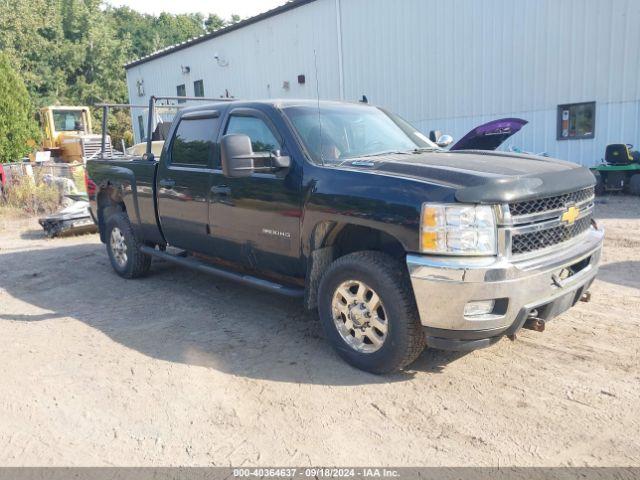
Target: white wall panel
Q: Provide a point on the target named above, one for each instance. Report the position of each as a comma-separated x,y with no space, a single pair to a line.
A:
442,65
451,65
261,57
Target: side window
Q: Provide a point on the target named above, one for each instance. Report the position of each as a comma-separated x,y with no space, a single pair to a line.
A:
194,142
262,138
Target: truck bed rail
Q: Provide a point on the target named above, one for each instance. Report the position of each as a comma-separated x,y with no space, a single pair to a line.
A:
153,100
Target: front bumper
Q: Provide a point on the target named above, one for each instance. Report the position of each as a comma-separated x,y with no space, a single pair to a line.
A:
548,284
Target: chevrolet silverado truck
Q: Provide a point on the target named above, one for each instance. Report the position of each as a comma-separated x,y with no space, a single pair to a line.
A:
396,242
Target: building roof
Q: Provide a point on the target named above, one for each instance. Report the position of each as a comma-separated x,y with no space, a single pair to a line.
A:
290,5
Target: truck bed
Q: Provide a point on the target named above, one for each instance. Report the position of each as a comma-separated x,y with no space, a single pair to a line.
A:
135,179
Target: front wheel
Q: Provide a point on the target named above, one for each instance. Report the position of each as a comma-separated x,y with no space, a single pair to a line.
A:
123,248
368,312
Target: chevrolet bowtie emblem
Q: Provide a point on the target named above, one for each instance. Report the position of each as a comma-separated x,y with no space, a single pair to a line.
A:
571,215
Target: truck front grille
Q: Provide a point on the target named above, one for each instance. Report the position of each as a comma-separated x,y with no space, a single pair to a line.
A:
532,241
540,205
541,223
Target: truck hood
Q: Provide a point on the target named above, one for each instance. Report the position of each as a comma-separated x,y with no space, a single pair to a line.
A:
490,135
480,176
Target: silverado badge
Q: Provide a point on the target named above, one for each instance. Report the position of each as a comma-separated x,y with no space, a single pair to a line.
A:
571,215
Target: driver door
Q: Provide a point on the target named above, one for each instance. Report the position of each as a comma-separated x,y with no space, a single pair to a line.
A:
255,220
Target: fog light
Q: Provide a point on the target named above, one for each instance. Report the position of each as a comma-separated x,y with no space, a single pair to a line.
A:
480,307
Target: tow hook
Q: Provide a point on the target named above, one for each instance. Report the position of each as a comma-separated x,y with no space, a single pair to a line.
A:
534,323
585,297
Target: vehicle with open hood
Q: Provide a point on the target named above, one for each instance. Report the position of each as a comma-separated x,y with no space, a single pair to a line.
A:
490,135
398,243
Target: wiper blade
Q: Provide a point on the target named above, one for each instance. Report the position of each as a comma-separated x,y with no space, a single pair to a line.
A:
390,152
426,149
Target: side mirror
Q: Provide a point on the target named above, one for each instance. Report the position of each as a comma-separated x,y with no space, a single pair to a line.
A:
237,155
280,161
434,135
444,141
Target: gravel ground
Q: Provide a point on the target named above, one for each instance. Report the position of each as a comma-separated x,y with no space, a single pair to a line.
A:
183,369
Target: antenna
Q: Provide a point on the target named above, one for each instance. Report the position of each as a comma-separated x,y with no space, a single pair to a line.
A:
315,62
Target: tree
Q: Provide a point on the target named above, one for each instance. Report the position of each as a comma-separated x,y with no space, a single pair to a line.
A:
214,22
30,31
17,126
73,51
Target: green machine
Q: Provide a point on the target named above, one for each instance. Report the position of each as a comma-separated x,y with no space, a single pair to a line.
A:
620,171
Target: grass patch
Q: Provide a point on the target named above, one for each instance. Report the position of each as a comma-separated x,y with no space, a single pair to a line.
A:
31,196
11,213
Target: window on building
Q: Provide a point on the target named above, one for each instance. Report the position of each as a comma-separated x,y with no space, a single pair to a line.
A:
181,91
262,138
194,142
141,128
198,88
576,120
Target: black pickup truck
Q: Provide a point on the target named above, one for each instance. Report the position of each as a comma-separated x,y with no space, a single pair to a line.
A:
398,243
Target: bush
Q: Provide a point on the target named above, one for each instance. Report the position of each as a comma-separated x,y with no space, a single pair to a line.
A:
18,129
32,196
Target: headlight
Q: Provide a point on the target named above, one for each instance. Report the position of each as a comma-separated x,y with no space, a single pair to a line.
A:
458,229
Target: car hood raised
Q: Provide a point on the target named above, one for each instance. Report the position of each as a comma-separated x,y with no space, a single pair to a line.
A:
490,135
480,176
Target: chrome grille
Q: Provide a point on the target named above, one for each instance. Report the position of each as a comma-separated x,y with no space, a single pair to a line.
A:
538,224
532,241
540,205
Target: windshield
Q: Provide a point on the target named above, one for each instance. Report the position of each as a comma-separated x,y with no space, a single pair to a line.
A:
335,133
68,120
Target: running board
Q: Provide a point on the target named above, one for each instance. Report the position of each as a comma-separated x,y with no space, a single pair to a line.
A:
204,267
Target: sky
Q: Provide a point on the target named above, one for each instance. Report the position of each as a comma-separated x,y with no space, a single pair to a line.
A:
224,8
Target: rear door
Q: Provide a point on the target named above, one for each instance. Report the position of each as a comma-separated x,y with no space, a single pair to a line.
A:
184,178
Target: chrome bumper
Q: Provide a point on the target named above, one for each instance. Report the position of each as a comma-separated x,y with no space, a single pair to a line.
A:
444,285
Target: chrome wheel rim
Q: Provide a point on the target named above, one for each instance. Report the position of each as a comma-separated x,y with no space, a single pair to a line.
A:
360,316
118,247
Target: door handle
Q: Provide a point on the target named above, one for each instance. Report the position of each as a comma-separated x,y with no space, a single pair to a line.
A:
167,183
221,190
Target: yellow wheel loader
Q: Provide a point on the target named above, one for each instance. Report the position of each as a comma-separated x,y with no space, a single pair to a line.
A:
68,134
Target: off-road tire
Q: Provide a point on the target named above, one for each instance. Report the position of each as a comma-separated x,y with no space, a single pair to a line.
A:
634,184
599,188
138,263
390,280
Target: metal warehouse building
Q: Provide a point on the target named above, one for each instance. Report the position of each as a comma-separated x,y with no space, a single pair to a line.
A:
569,67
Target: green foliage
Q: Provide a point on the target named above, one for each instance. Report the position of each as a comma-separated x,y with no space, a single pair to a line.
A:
32,196
215,22
73,51
17,125
149,33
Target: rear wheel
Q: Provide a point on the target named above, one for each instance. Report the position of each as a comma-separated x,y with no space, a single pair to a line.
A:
634,184
368,312
123,248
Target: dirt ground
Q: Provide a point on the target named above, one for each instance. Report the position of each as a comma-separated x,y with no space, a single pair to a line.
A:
183,369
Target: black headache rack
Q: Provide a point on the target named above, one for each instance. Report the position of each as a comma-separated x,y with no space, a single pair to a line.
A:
155,103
